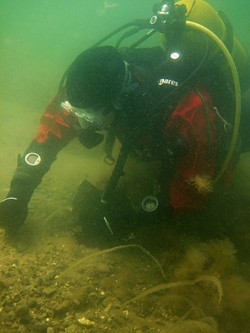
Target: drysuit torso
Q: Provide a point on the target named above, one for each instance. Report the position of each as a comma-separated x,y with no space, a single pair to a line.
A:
180,132
162,116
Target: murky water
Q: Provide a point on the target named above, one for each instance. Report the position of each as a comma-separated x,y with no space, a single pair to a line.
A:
38,40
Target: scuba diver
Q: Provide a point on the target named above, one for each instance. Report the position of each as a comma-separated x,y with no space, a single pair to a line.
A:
177,103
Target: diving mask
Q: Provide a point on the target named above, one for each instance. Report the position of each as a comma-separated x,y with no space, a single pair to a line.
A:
87,116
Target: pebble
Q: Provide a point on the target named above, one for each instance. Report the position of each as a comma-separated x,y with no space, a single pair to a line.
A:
61,308
49,291
21,311
86,322
40,328
31,303
3,285
50,330
51,274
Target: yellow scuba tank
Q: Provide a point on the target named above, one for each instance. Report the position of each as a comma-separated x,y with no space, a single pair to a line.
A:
223,50
199,11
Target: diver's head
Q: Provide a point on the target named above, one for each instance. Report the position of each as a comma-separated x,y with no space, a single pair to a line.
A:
93,83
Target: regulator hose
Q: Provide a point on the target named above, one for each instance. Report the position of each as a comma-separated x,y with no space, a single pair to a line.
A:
237,90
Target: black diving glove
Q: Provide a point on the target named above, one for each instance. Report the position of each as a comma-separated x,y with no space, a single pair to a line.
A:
14,208
30,169
13,213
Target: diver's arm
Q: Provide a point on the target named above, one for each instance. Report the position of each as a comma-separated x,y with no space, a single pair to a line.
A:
53,134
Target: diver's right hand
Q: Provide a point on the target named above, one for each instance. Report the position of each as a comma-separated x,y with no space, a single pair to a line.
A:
13,213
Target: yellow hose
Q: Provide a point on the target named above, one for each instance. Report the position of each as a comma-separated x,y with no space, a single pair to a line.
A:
237,93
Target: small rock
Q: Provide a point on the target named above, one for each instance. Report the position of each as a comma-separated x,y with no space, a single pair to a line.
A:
40,328
15,327
49,290
26,319
50,330
62,308
51,274
22,311
31,303
10,316
25,281
8,308
3,285
46,281
86,322
68,321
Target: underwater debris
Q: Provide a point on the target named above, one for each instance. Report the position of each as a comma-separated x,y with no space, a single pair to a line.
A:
106,6
164,286
113,249
85,322
204,325
202,183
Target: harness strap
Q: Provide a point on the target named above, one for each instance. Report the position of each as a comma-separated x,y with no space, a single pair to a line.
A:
109,144
116,174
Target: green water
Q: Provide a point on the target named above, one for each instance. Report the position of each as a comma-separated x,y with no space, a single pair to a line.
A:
38,40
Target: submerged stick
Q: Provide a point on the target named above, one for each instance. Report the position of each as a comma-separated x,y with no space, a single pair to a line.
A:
116,248
164,286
